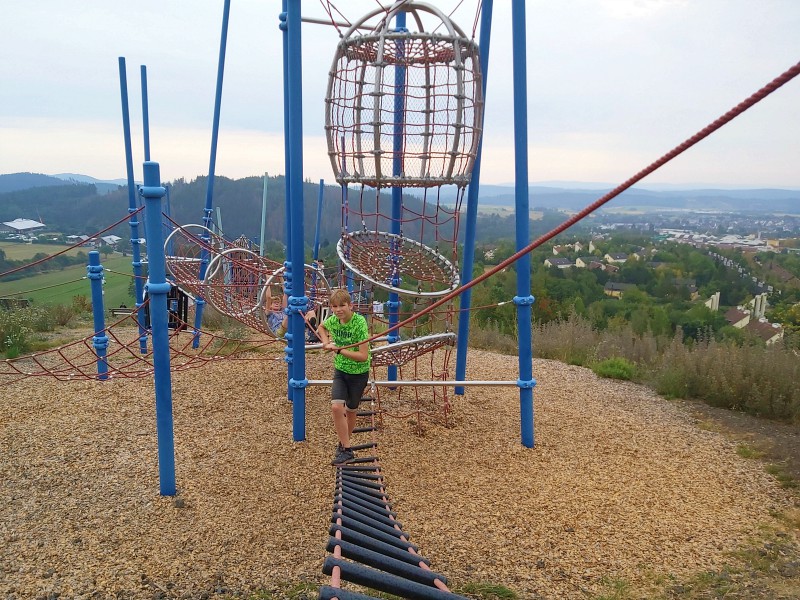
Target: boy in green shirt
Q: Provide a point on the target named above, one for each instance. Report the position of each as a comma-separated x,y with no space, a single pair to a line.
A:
351,367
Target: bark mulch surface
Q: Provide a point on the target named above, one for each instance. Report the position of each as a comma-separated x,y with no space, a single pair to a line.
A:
621,485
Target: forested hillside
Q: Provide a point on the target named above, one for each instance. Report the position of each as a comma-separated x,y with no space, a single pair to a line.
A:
76,208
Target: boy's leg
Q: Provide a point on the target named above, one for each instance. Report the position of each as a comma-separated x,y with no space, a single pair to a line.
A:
341,421
352,417
357,384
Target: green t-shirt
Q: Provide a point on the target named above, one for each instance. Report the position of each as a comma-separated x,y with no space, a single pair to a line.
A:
344,334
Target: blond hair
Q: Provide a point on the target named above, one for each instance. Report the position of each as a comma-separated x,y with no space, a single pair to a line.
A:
340,297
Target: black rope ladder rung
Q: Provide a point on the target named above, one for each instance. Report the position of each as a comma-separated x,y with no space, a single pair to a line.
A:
368,545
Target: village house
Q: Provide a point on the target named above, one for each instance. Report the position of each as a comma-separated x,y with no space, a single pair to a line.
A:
615,289
561,263
588,262
21,227
111,240
769,332
616,257
738,317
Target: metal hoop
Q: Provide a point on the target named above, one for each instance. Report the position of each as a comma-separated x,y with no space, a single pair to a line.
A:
309,271
228,297
172,260
383,258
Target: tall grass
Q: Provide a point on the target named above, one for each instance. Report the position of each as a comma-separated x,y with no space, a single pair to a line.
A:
757,379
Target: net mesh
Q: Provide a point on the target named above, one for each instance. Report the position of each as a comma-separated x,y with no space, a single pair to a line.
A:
404,108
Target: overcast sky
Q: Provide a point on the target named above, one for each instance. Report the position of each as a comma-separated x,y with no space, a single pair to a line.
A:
613,85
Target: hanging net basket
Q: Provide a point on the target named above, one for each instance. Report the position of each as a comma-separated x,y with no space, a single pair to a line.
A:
404,108
397,263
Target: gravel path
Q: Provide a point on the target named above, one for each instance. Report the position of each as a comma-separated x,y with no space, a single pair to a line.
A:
621,484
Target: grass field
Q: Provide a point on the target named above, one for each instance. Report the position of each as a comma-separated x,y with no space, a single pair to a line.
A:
59,287
19,251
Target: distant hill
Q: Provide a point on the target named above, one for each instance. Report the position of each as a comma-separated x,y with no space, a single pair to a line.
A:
23,181
104,186
739,200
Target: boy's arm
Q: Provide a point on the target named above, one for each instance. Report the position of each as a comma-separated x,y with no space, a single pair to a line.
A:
324,337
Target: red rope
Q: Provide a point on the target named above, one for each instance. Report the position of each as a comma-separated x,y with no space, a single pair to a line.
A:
700,135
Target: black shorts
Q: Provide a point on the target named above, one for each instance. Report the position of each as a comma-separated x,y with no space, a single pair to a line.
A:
349,387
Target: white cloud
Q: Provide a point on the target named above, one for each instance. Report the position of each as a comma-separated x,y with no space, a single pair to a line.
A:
612,85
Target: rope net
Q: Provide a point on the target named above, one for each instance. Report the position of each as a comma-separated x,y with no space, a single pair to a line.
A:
237,281
125,358
417,264
404,108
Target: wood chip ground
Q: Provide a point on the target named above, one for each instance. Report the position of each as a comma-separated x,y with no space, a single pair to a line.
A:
621,484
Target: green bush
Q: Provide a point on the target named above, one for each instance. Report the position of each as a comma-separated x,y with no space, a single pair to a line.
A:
615,368
16,327
61,314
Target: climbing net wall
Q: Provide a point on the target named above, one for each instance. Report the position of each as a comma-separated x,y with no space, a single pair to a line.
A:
237,281
403,114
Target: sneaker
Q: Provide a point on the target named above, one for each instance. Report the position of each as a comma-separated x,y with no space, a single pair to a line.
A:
343,457
339,447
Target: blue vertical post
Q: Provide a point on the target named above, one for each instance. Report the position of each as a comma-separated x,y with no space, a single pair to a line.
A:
261,240
297,299
393,304
212,163
100,340
288,350
317,229
523,299
136,262
157,290
472,211
145,114
319,218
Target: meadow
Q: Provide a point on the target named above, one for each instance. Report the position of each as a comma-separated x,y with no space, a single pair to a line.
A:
59,287
20,251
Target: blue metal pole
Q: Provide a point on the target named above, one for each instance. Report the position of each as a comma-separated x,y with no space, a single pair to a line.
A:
523,299
295,269
145,114
157,290
209,208
288,350
261,242
393,305
100,340
472,212
319,218
136,262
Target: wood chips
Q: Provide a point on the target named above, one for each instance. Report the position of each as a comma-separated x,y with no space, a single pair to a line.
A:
621,484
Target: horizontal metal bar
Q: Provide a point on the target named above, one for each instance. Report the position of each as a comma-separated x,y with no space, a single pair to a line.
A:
316,21
448,383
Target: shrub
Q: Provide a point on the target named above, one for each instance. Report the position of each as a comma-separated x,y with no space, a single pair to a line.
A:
62,314
15,329
571,340
615,368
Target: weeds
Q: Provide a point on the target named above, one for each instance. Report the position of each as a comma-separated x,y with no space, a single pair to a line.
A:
615,368
760,380
487,591
616,589
746,451
779,472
